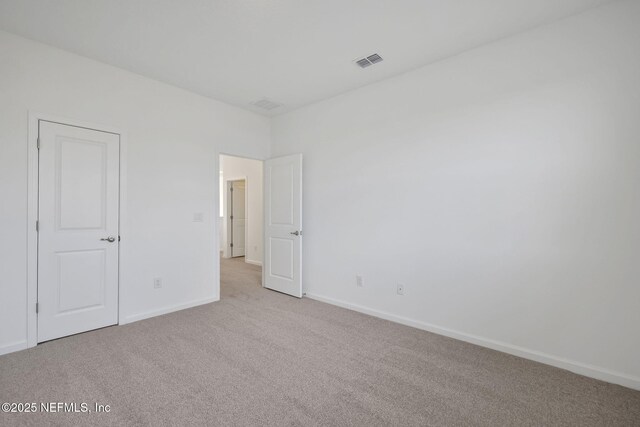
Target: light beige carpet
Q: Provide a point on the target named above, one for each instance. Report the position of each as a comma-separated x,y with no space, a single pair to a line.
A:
261,358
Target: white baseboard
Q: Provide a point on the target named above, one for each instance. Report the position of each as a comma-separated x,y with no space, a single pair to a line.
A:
250,261
165,310
14,346
559,362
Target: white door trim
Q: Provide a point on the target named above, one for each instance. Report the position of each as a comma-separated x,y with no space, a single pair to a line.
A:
32,213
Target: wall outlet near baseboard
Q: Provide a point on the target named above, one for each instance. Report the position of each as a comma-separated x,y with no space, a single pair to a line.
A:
359,281
157,283
400,289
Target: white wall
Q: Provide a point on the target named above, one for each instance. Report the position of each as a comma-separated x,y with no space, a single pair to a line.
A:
173,138
238,167
499,186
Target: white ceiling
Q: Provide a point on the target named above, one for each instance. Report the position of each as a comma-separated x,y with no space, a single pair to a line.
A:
293,52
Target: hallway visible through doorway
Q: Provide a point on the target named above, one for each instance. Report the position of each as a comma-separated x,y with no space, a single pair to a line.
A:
241,216
238,277
241,208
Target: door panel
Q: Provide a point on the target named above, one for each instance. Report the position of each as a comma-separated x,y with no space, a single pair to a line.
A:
283,224
80,280
282,252
281,206
78,206
80,192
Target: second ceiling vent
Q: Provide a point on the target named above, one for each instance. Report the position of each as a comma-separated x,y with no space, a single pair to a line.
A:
369,60
266,104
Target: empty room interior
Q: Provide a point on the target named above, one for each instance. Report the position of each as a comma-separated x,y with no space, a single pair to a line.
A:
279,212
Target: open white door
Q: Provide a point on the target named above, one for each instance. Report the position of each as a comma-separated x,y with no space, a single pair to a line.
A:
78,230
283,224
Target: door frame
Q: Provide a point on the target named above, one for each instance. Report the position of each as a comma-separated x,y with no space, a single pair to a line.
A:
32,212
227,182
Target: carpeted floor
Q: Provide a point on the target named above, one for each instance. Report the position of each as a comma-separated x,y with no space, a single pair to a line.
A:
258,357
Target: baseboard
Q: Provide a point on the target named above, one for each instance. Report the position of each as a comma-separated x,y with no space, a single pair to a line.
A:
559,362
14,346
165,310
250,261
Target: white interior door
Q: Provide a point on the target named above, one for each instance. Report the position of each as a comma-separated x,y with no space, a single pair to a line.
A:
238,217
283,224
78,230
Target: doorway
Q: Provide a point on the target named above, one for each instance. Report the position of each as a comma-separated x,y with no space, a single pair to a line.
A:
272,195
241,220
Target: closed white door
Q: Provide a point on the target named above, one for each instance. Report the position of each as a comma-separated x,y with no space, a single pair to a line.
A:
238,217
283,224
78,230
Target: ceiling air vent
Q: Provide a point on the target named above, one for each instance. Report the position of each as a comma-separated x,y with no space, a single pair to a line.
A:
363,63
369,60
265,104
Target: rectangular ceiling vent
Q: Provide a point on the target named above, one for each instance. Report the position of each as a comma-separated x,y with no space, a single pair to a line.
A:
369,60
266,104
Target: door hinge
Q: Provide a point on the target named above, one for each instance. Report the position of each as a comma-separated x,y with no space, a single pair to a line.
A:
118,238
38,143
37,226
37,307
231,217
231,189
231,244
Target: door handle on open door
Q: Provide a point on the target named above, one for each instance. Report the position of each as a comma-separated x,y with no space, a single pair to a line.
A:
296,233
109,239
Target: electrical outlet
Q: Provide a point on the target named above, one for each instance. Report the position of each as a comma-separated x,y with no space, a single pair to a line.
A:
359,281
400,289
198,217
157,283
